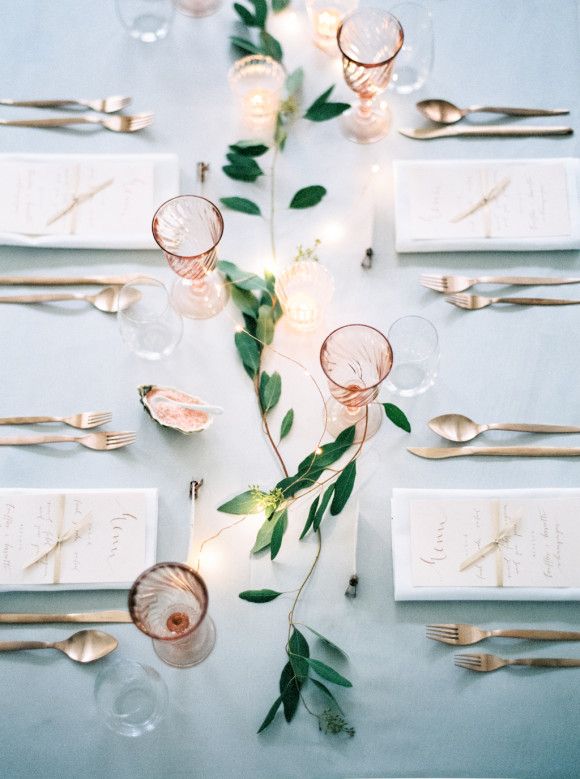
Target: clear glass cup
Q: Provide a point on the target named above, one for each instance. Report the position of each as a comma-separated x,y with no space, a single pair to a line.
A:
149,324
131,698
325,18
146,20
415,356
256,82
369,40
188,228
355,359
197,8
304,289
415,60
168,602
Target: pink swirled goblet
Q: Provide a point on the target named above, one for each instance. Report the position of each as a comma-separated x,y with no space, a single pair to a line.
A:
369,40
168,602
355,360
188,229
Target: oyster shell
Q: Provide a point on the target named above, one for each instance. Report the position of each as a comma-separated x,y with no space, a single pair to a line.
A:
171,415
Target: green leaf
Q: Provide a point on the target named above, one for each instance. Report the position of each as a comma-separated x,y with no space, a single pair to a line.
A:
244,300
279,5
299,652
326,691
241,204
287,423
271,714
327,641
265,329
331,452
321,99
294,81
244,45
246,16
328,673
270,46
290,691
244,163
308,197
328,493
260,12
249,351
343,488
310,518
238,173
241,278
245,503
325,111
397,417
280,136
270,390
249,148
250,324
278,532
264,536
259,596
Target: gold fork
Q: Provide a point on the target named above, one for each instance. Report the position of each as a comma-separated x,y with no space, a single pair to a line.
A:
464,635
102,441
118,124
107,105
448,284
475,302
493,662
82,421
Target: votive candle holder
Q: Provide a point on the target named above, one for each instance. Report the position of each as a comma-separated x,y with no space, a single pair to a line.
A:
257,81
305,290
325,19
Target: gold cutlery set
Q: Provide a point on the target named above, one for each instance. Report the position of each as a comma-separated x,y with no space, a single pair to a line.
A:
442,112
108,106
103,440
465,635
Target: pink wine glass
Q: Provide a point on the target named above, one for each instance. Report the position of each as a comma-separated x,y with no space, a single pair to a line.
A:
188,229
355,360
369,40
168,602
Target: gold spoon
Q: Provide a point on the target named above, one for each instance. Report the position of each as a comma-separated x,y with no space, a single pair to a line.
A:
106,299
456,427
444,112
83,647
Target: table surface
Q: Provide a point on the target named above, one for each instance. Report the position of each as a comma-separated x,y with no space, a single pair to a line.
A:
415,714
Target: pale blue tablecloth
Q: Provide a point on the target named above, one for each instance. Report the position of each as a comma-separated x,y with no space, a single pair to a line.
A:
415,714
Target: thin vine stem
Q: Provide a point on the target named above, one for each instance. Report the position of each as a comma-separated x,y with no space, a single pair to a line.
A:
273,202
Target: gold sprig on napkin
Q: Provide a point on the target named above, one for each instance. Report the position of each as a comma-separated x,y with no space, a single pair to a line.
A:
501,536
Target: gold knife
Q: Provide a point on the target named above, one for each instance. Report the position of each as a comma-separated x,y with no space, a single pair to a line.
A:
497,131
85,616
54,281
441,453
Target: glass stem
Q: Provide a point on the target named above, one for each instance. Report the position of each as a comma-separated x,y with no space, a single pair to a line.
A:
365,108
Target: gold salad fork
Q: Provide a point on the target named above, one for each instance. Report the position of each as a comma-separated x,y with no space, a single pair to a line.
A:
464,635
102,441
475,302
82,421
118,124
107,105
493,662
449,284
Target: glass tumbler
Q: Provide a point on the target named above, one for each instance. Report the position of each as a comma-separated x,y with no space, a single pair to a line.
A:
132,698
355,359
146,20
416,356
188,229
149,324
415,60
325,18
369,40
168,602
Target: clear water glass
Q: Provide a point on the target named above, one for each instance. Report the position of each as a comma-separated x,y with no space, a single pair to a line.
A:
149,324
131,698
146,20
415,346
415,60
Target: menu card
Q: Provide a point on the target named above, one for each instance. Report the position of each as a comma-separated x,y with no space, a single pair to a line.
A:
75,539
484,544
487,204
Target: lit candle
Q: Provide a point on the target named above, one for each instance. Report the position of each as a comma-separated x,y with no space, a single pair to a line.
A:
257,82
302,311
304,290
327,23
326,18
259,105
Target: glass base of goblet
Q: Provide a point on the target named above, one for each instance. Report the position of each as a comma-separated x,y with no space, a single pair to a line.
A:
366,125
188,651
339,417
200,298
